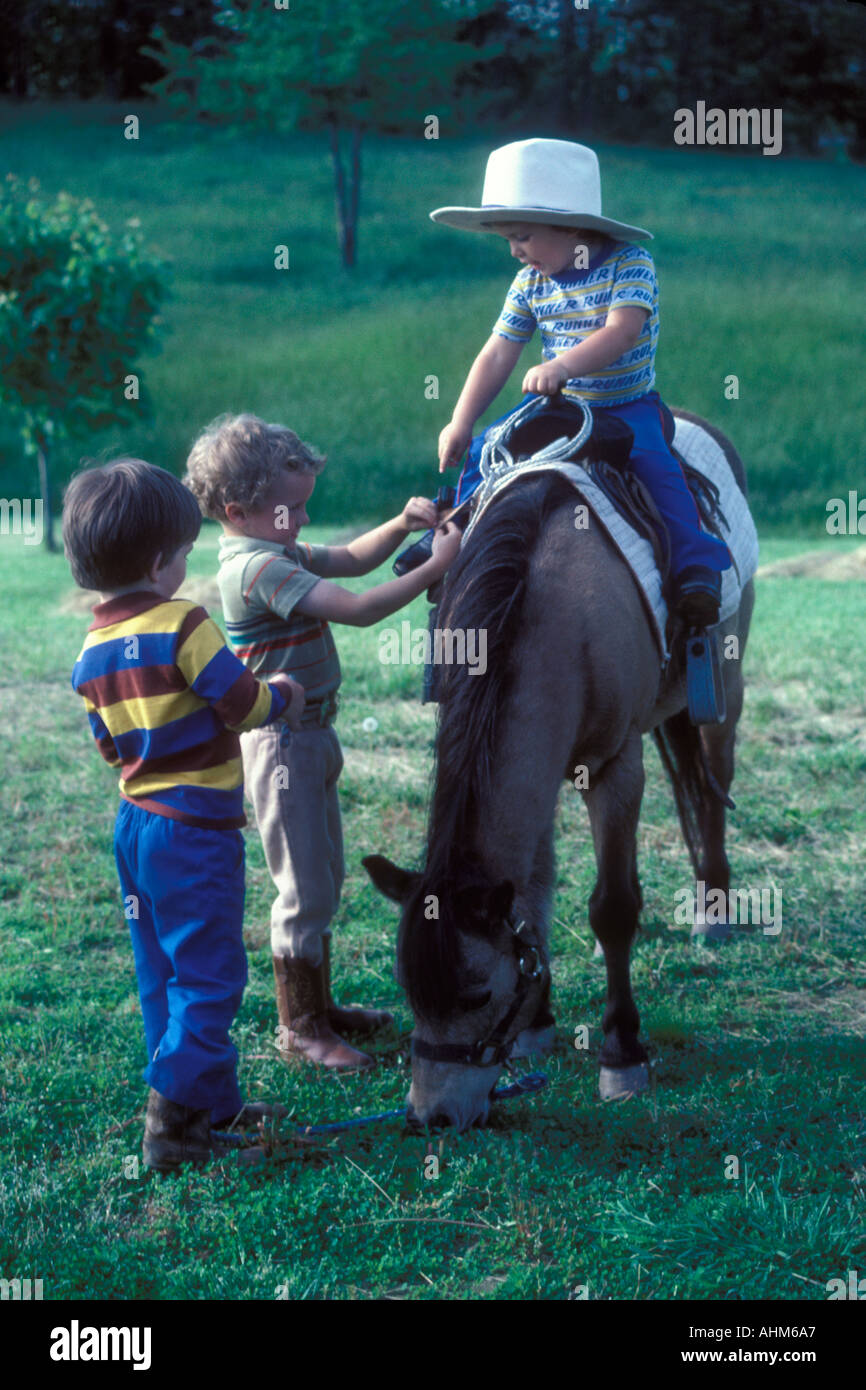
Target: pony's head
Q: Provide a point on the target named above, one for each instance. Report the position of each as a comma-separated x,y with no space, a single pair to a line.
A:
473,974
470,952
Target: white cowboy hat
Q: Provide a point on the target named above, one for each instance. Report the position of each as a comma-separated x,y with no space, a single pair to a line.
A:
554,182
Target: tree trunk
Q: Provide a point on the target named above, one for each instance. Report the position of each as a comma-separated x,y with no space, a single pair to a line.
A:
355,186
586,79
109,54
16,21
347,196
567,65
44,461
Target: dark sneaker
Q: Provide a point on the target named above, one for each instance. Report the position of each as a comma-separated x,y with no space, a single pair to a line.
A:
697,596
176,1134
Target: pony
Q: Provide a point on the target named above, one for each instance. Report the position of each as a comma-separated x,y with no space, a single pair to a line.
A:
573,682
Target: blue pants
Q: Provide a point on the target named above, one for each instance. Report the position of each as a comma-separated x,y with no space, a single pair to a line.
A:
183,891
652,462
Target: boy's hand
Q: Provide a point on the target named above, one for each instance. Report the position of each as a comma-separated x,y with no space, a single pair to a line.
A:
293,692
446,543
419,514
453,443
547,379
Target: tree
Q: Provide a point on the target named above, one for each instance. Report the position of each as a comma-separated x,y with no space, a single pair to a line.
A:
620,68
344,67
90,47
77,304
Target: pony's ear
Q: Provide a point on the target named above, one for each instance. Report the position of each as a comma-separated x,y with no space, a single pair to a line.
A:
499,901
394,882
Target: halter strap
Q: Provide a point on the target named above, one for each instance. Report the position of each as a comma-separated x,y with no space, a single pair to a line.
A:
492,1050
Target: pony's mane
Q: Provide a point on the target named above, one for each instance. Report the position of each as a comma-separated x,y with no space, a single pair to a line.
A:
485,589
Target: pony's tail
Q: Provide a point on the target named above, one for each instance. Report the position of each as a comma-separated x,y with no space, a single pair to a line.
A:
679,743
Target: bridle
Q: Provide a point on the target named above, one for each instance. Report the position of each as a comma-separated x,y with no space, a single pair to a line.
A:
493,1050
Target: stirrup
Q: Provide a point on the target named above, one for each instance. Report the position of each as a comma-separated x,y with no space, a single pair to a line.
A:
704,685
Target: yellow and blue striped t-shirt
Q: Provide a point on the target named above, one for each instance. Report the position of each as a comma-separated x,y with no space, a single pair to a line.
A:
569,307
166,701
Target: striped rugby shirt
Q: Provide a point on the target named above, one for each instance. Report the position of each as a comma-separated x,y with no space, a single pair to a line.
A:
567,308
260,584
166,701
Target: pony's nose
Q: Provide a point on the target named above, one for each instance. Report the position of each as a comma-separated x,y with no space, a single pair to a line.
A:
440,1119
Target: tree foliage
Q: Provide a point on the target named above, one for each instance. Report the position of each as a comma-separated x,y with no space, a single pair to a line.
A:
89,48
77,305
344,67
368,63
620,68
593,68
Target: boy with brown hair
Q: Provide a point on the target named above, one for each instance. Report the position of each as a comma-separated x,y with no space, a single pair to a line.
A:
166,701
278,599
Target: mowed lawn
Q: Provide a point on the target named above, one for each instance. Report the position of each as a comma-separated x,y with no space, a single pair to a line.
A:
760,260
758,1046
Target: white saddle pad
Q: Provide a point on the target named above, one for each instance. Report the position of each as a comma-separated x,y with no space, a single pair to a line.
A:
703,453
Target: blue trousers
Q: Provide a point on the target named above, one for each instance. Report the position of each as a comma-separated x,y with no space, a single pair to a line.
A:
183,890
655,465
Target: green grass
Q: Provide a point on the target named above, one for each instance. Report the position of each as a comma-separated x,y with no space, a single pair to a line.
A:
759,262
758,1046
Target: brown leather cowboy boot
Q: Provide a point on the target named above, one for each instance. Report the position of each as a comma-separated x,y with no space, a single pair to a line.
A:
176,1134
302,1004
350,1020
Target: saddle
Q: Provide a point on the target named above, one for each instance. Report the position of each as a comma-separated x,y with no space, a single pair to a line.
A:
565,430
603,444
609,439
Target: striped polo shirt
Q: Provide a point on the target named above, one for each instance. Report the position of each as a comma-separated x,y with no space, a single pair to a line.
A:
567,308
260,584
166,701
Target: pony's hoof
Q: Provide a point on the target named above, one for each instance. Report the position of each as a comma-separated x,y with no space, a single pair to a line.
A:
533,1041
618,1083
710,931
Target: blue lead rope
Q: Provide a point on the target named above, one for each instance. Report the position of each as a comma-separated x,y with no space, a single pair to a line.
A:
523,1086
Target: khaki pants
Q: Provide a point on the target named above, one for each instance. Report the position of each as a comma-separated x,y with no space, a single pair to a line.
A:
291,779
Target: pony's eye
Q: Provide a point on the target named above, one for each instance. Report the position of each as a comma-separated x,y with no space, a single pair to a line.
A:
470,1002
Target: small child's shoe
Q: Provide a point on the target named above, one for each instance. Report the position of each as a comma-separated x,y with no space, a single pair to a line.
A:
697,596
177,1134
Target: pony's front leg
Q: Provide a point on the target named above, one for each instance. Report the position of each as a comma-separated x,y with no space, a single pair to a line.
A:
540,1034
613,800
